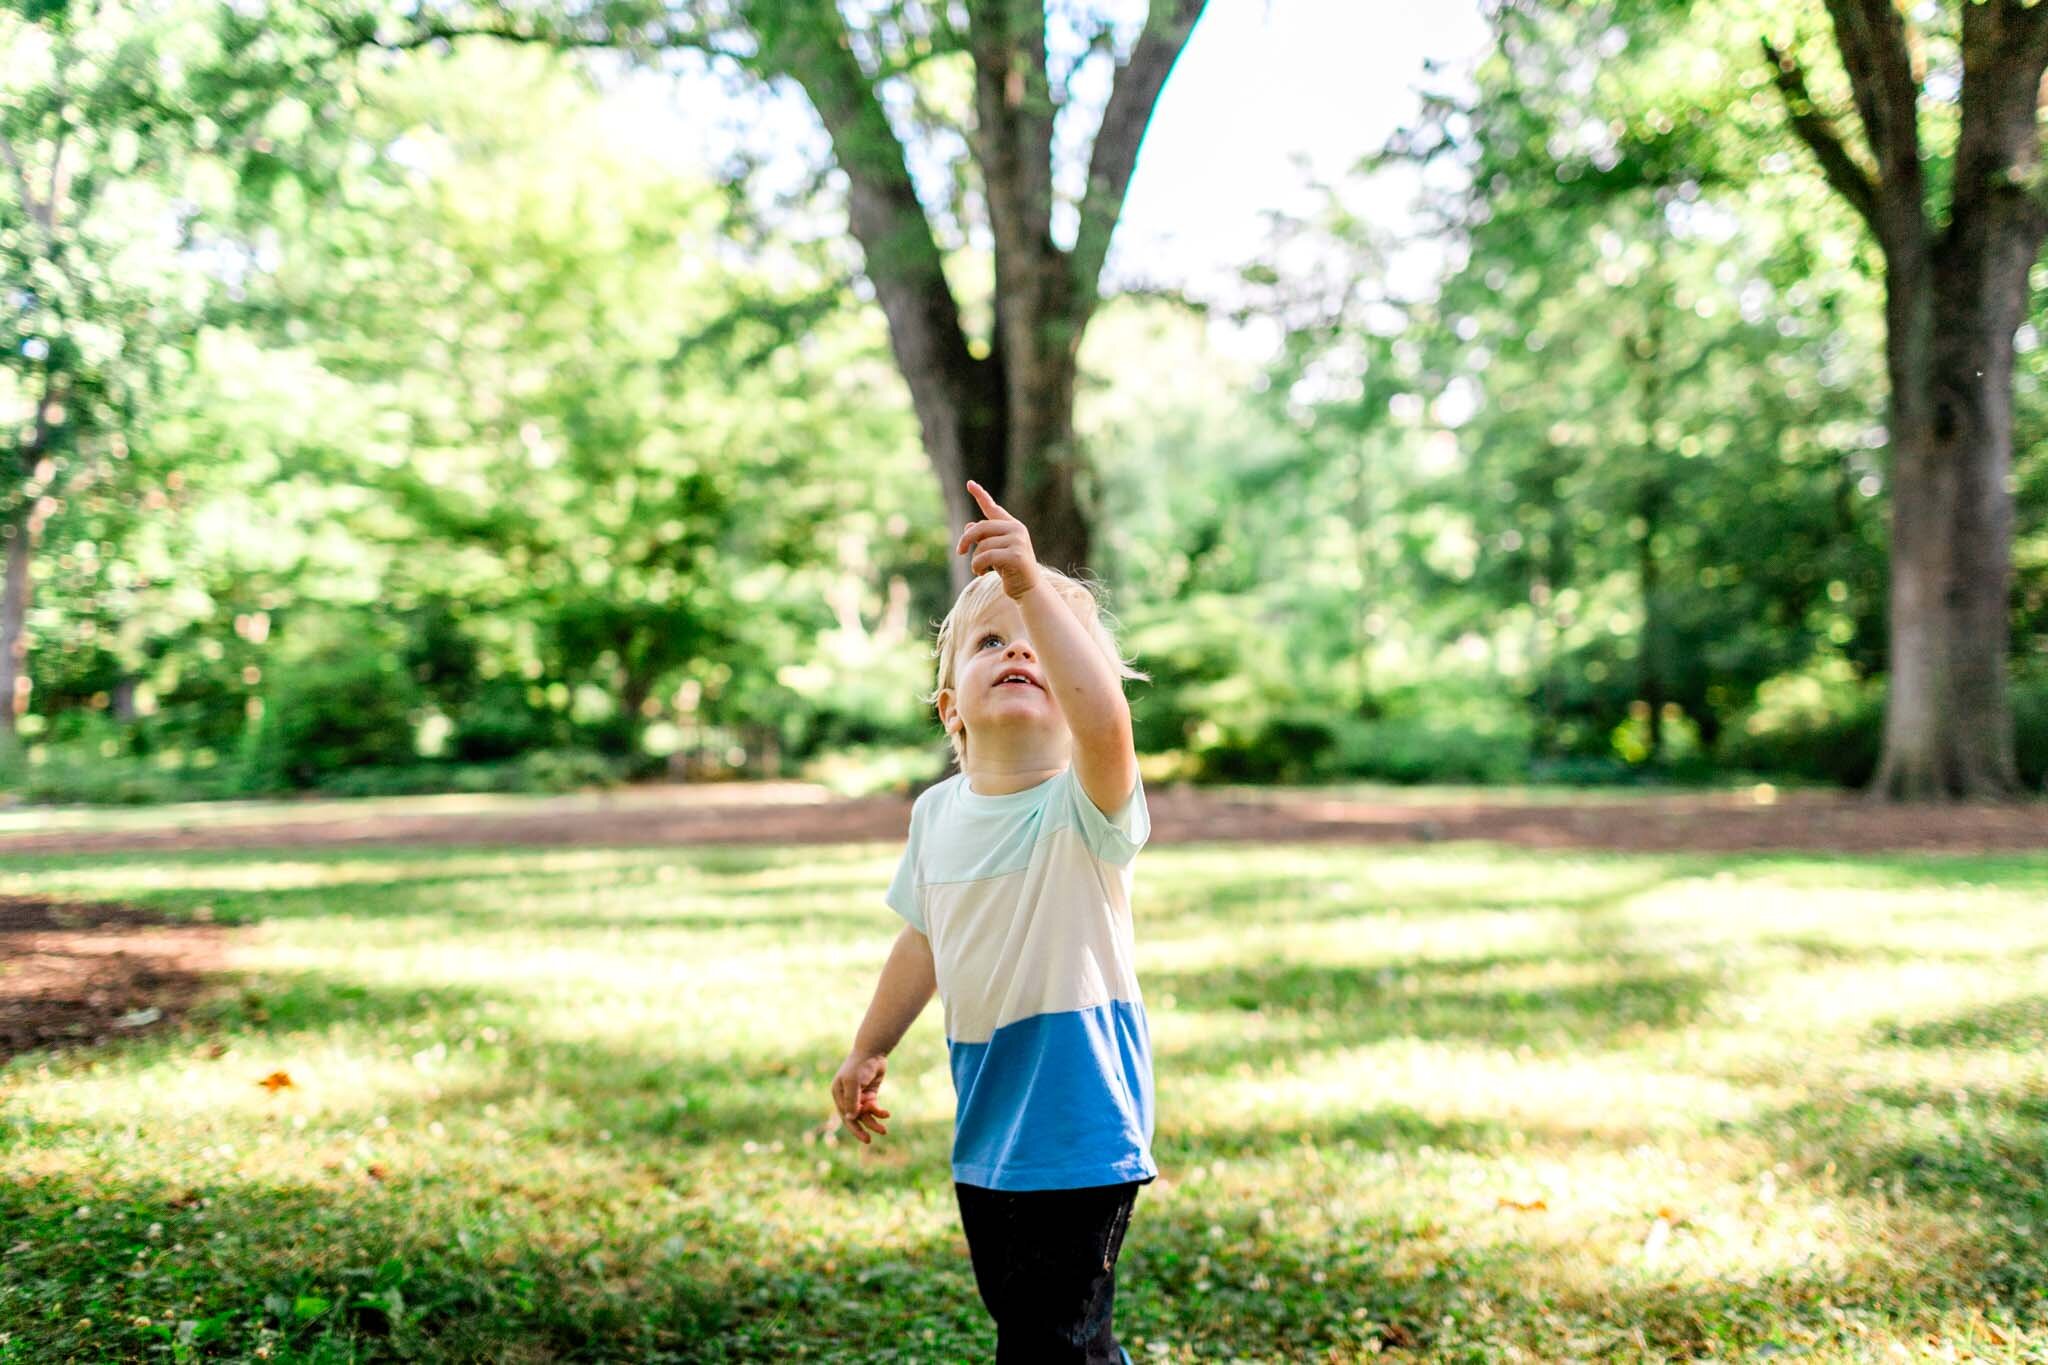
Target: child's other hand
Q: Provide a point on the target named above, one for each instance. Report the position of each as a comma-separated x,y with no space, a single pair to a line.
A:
854,1091
1004,545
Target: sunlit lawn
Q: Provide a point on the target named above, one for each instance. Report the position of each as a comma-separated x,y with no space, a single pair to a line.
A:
1452,1103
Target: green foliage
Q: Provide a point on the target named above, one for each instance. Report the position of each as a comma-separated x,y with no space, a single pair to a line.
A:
1823,723
2030,726
500,721
568,770
1827,725
540,771
1591,504
346,705
75,775
1435,736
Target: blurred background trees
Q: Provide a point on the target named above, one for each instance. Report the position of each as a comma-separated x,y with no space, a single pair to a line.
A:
399,407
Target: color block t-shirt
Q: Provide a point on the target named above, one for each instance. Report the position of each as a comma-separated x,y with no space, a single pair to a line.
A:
1026,899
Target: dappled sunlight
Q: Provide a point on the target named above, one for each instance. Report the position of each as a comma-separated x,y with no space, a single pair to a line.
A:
1527,1099
1623,1090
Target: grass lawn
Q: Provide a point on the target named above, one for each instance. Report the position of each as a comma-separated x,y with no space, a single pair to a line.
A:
1447,1103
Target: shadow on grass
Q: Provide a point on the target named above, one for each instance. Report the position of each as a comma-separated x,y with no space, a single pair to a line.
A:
1973,1158
661,1238
1329,896
273,1003
398,1270
238,896
1356,1005
2018,1023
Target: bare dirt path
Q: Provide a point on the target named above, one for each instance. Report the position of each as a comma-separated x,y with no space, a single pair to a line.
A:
78,973
795,813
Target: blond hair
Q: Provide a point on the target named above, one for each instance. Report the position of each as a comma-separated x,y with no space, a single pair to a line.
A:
1081,595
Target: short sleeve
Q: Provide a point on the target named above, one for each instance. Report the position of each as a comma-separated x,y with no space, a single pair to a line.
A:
1115,838
902,893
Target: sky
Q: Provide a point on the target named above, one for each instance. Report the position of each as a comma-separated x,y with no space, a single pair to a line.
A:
1261,85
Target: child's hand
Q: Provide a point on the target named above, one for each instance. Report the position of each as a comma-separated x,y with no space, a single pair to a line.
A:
854,1090
1005,545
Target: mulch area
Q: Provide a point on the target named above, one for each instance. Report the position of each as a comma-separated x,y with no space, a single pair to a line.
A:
80,973
1711,822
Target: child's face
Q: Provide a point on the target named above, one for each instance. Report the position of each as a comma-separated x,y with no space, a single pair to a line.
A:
997,648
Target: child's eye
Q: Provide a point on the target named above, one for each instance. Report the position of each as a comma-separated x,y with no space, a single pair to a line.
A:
986,638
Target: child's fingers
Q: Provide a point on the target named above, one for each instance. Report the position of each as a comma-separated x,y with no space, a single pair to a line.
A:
977,532
988,504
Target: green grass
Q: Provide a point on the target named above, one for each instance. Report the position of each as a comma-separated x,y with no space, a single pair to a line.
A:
1453,1104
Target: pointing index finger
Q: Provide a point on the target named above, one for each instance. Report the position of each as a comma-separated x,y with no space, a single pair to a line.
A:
988,504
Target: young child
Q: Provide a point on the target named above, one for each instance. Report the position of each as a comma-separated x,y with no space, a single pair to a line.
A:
1016,889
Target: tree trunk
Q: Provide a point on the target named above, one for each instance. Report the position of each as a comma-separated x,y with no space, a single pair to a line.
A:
1650,669
1953,300
1005,419
14,598
1650,496
1948,721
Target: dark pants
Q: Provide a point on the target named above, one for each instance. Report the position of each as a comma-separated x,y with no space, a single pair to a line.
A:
1045,1263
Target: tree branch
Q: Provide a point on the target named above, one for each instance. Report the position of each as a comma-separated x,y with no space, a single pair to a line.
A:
1014,122
1817,131
1124,120
1872,37
1998,166
362,30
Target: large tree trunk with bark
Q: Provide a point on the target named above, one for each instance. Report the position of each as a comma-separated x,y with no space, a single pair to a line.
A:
1948,721
1954,298
1005,418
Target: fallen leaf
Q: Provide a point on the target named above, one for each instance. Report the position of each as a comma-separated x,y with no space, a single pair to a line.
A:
276,1081
1533,1206
217,1050
376,1170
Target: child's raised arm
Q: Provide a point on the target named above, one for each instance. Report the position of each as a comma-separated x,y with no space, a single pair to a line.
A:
908,982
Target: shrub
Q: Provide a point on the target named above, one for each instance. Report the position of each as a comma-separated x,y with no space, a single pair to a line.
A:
339,708
421,779
499,722
1822,722
2030,724
1286,748
1426,748
567,770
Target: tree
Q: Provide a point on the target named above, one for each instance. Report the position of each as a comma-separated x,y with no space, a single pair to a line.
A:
124,131
1956,292
1649,490
583,432
996,407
